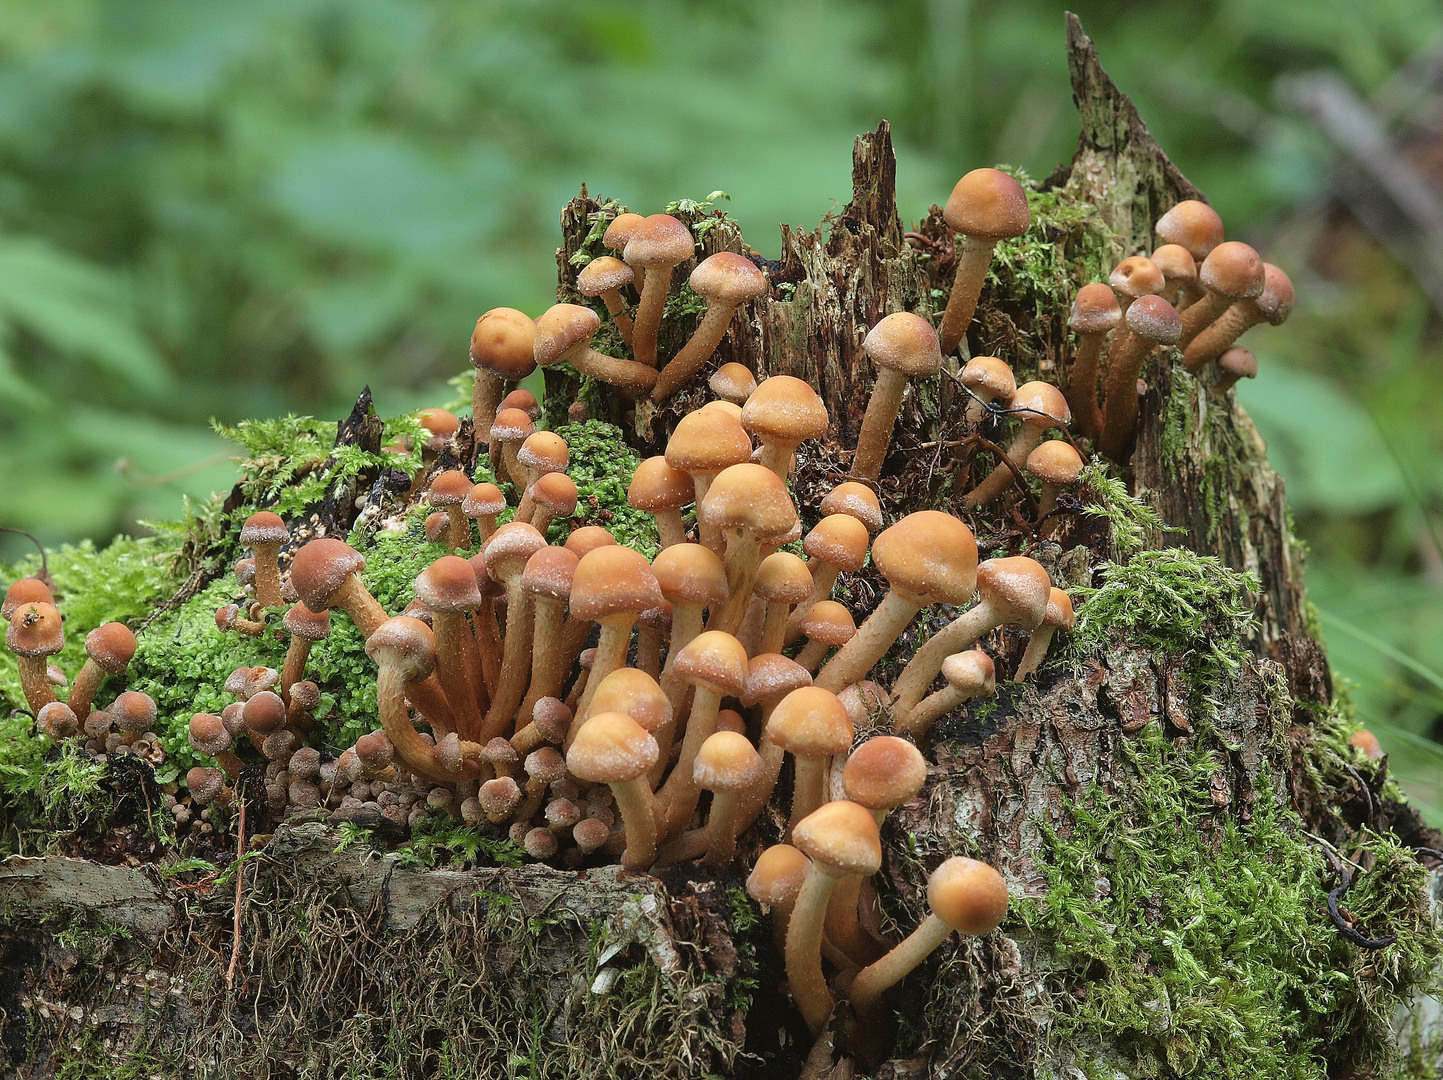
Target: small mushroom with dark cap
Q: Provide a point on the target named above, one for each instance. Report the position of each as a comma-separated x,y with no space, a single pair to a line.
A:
989,381
605,276
902,346
108,650
209,735
264,533
481,504
447,491
327,574
543,452
725,281
1151,321
1239,362
563,336
1273,306
34,635
1058,465
306,627
1095,313
26,590
986,206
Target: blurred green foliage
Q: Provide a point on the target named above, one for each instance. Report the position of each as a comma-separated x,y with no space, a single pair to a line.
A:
249,208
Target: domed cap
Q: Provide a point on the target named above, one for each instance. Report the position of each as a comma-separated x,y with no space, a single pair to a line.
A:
690,574
660,240
601,275
320,568
448,584
727,761
929,554
483,499
971,671
707,441
884,772
856,500
264,712
522,399
842,837
771,677
406,642
135,712
1017,587
499,797
904,342
1176,263
26,590
264,527
549,572
988,203
865,701
620,230
1094,310
1041,402
504,341
635,693
612,581
748,497
811,722
440,426
204,784
657,486
731,408
782,578
715,659
448,488
1135,276
611,748
561,328
1059,611
1276,299
300,621
967,895
733,383
544,451
839,539
989,378
830,623
778,875
588,538
208,734
35,630
507,549
1153,319
784,409
556,492
1233,270
1055,462
1193,225
110,646
1239,362
728,278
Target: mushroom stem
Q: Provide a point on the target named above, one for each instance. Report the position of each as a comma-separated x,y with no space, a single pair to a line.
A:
1000,479
354,599
881,417
680,793
416,752
35,681
804,948
929,710
453,671
669,527
87,682
1036,652
430,701
722,828
743,553
962,633
486,393
875,979
546,651
515,661
1125,362
630,378
686,624
648,649
809,788
611,649
488,644
842,926
854,659
1218,338
774,628
616,307
268,575
812,654
1082,384
755,797
458,535
648,314
1199,316
634,800
972,262
293,668
824,576
703,342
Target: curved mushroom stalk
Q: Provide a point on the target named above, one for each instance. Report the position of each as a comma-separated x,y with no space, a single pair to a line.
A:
726,281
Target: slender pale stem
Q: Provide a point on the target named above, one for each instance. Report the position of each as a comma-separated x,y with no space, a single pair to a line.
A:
804,948
812,654
873,981
756,796
962,633
458,535
808,788
742,556
824,576
634,800
35,682
1036,651
611,649
669,527
616,306
972,262
722,828
693,355
877,424
416,752
546,652
680,793
774,628
648,314
293,669
854,659
515,661
453,672
488,644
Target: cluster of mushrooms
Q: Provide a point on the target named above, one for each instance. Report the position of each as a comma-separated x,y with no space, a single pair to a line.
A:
603,707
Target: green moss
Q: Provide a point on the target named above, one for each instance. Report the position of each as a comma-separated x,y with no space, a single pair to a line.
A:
1133,523
602,465
1196,939
1177,422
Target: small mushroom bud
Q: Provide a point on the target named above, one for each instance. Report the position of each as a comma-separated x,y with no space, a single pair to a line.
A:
498,798
783,413
97,724
989,380
208,735
440,427
590,833
206,785
857,500
447,491
969,674
134,712
57,720
733,382
1273,305
1179,272
1058,466
540,844
1366,743
1237,363
26,590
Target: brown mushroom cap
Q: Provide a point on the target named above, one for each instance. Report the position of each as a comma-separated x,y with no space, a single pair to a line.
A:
135,712
1193,225
811,722
731,408
441,425
588,538
841,836
855,499
300,621
208,734
751,497
728,278
658,486
635,693
830,623
556,492
544,451
320,567
1175,262
971,671
35,630
733,383
448,584
264,527
929,554
782,578
1037,401
509,547
778,875
784,409
26,590
1095,310
110,646
839,539
988,203
1234,270
511,425
772,676
1239,362
611,748
549,572
1059,611
1276,299
448,488
483,499
264,712
690,574
601,275
904,342
1055,462
620,230
716,659
990,378
562,328
612,581
1017,588
1153,319
727,761
707,441
522,399
884,772
968,896
406,642
504,341
1135,276
660,240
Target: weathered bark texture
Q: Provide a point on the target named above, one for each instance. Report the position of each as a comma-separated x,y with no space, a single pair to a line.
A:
1003,775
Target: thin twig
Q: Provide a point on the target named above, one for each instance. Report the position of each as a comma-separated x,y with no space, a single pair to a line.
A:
44,574
240,847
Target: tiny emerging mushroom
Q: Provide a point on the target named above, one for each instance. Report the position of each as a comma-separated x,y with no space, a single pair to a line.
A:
733,382
725,280
447,491
726,765
1239,362
969,674
783,412
1058,466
